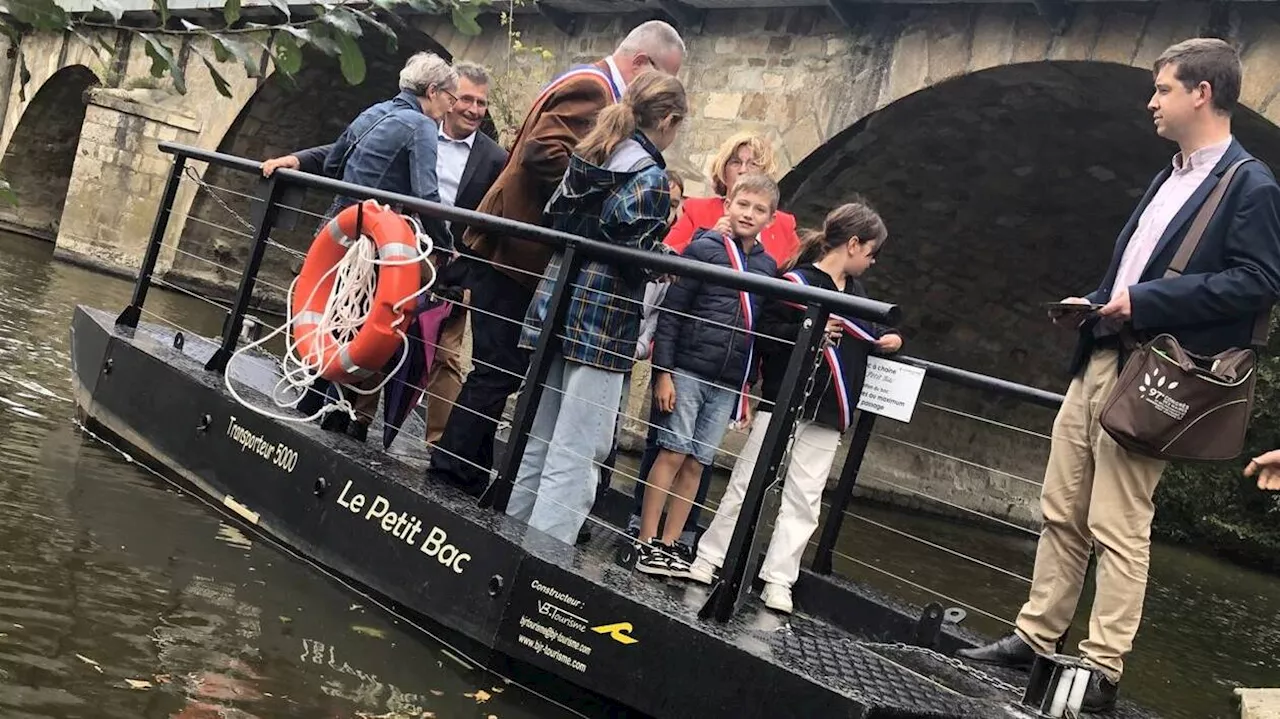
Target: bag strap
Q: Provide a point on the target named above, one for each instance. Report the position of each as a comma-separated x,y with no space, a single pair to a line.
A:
1262,329
1262,323
342,164
1210,207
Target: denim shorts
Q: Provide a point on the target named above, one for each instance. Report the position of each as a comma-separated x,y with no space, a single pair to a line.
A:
700,418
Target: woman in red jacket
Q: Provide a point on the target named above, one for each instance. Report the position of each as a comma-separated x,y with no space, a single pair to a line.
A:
743,154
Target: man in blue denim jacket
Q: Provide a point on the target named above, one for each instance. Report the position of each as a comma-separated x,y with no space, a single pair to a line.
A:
392,145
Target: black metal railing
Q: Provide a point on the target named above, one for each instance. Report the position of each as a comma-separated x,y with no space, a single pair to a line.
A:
735,575
864,428
270,204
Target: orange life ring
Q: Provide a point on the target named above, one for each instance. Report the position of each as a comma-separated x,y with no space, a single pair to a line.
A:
378,339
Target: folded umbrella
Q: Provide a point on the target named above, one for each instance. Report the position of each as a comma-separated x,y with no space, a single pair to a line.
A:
406,387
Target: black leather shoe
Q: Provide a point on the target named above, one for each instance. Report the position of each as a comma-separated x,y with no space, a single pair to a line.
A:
1100,696
335,422
474,486
359,431
1010,651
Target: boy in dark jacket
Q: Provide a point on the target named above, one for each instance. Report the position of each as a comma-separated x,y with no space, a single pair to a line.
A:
703,354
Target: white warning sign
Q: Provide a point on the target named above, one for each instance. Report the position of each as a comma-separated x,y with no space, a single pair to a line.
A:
891,389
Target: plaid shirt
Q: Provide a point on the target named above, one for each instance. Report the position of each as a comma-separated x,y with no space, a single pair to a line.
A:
615,205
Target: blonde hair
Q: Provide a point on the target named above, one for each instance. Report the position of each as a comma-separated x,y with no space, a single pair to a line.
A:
761,150
652,98
757,184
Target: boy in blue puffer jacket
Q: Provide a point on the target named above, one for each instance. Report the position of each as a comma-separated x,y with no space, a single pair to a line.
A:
703,356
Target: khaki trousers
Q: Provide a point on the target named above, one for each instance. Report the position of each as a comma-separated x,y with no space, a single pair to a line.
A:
445,380
1094,491
443,383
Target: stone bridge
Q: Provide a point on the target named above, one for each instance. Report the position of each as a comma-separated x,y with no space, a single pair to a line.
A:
1004,142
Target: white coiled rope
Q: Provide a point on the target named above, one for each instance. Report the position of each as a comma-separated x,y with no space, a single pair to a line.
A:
345,312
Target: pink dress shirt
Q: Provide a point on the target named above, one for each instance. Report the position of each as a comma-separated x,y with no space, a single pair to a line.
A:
1187,175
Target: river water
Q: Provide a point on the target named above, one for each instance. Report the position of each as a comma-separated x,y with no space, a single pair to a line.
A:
120,597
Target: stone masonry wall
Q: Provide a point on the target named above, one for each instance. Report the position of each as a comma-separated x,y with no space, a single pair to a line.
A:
39,168
117,154
312,109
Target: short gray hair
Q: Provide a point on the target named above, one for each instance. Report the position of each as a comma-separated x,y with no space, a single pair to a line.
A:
654,38
473,72
425,69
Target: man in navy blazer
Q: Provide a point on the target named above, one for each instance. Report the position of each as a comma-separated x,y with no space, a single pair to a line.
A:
467,164
1095,492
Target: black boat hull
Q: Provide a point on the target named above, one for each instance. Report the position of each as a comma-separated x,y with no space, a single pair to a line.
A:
511,597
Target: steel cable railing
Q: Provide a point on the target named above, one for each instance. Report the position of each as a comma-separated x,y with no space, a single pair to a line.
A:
710,505
214,303
265,206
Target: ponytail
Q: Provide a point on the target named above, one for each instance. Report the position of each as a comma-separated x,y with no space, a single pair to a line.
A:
812,247
616,123
853,219
652,98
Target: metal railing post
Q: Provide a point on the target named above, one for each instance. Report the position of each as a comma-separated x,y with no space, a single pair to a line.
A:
739,562
499,490
131,314
264,216
844,491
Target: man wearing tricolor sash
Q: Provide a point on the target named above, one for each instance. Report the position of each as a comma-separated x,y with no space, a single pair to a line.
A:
502,271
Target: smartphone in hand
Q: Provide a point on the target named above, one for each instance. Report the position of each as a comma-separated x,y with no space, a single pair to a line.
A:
1081,310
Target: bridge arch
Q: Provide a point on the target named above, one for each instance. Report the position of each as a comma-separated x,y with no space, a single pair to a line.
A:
38,159
1005,187
1002,189
284,114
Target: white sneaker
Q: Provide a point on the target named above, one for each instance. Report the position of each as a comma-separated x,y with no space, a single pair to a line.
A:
700,571
777,598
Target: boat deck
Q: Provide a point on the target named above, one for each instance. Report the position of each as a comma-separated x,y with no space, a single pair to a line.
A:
527,598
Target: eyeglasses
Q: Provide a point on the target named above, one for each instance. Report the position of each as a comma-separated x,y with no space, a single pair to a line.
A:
453,99
478,103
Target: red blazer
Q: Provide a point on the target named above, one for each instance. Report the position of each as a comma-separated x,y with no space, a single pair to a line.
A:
779,237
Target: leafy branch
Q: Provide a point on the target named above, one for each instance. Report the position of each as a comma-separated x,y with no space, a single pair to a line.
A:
283,33
505,99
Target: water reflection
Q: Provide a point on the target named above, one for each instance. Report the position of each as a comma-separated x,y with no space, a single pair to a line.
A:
120,597
1208,626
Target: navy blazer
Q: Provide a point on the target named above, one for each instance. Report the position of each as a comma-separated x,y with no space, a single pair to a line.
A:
1233,275
484,163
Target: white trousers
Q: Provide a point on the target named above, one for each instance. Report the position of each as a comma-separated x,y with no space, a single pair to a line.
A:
812,457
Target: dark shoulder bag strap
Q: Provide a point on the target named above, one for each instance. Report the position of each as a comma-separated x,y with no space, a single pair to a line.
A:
1262,324
342,164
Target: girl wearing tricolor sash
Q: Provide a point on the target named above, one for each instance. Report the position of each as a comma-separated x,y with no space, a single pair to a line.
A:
832,259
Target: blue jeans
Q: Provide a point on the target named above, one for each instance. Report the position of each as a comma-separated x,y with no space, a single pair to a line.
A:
690,534
699,420
571,435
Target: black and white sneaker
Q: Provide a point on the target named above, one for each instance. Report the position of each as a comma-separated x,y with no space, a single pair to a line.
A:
660,560
685,552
